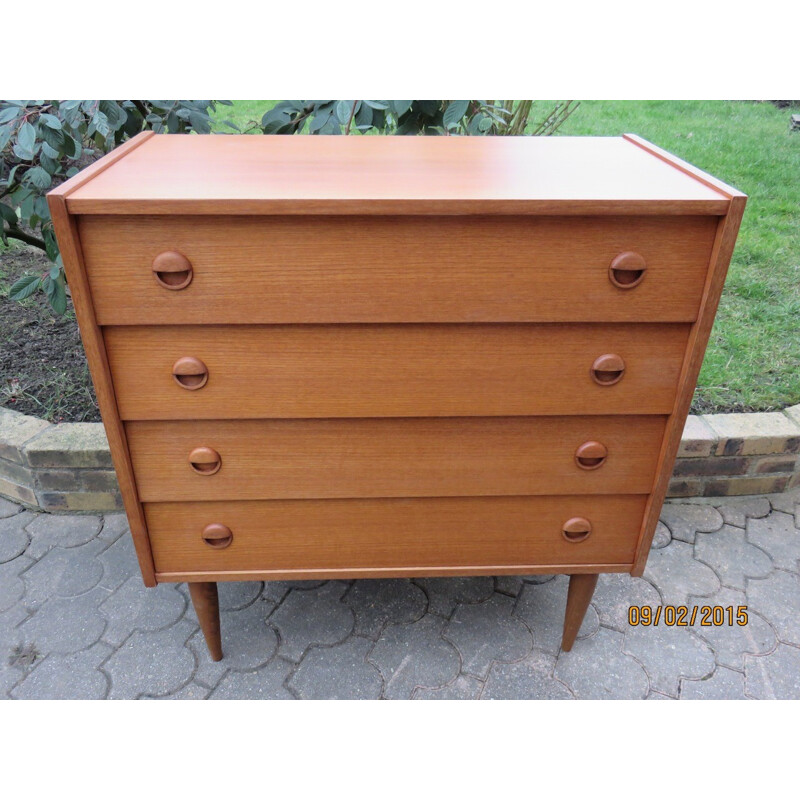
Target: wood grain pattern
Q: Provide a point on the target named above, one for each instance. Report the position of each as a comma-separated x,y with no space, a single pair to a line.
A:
386,370
392,174
396,269
419,532
279,459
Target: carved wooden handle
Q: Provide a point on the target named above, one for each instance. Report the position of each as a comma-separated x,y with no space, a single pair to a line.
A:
190,373
576,529
172,270
608,369
205,460
591,455
217,535
627,270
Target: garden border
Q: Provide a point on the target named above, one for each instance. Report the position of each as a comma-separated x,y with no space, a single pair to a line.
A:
67,467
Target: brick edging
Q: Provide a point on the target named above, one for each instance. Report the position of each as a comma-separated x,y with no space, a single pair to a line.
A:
67,467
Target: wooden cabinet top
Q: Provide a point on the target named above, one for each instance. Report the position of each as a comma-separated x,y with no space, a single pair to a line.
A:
190,174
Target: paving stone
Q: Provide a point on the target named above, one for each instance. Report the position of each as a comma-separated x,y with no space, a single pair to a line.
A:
208,672
13,538
597,669
338,673
508,584
277,590
778,536
65,573
315,616
135,607
66,624
658,696
676,574
488,632
151,662
530,679
378,602
616,593
416,655
265,684
685,519
724,684
731,556
445,593
114,526
73,676
542,607
662,537
8,509
537,579
11,672
247,640
735,511
119,563
731,643
774,677
777,599
12,587
464,687
50,530
192,691
235,595
669,654
788,502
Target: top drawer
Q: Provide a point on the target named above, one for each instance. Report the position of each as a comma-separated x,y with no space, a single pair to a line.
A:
395,269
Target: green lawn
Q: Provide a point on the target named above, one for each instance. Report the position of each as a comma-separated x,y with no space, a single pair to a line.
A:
753,359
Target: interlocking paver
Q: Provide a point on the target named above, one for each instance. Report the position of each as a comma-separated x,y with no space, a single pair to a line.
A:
341,672
12,587
72,676
724,684
277,590
62,530
774,677
777,599
685,519
464,687
530,679
509,584
208,672
669,654
192,691
378,602
119,563
265,684
787,502
65,573
731,556
235,595
662,537
114,526
597,669
135,607
8,509
542,607
488,632
731,643
248,641
444,594
676,574
616,593
658,696
416,655
315,616
736,510
778,536
11,672
14,539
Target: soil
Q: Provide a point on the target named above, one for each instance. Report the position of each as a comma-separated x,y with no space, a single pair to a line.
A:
43,368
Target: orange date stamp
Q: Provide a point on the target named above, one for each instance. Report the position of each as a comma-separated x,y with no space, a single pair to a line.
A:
685,617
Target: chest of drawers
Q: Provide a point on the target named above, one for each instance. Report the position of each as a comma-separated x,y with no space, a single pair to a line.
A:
366,357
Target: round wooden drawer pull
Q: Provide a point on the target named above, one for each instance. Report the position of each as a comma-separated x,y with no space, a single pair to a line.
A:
576,529
627,270
608,369
591,455
190,373
172,270
217,535
205,460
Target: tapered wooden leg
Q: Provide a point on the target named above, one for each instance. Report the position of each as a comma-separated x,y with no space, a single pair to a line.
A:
206,605
579,595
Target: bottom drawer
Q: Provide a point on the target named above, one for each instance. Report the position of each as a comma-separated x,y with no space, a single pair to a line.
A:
386,534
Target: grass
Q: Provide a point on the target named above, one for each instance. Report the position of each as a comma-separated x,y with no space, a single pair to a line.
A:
753,358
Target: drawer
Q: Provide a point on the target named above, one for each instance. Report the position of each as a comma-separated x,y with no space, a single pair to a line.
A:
393,371
395,269
445,457
393,533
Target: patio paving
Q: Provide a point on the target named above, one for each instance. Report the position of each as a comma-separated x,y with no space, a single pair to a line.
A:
77,622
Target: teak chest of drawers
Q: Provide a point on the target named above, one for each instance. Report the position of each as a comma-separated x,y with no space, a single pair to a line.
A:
364,357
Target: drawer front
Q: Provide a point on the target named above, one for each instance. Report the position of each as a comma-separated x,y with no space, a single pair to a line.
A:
279,459
387,533
393,371
396,269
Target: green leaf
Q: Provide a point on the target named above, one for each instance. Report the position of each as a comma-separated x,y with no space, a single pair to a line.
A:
39,177
24,287
8,214
378,105
484,124
50,121
21,153
56,294
26,137
400,106
7,114
343,110
454,112
54,138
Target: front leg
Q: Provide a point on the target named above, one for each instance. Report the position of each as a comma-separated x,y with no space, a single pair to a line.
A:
205,600
579,595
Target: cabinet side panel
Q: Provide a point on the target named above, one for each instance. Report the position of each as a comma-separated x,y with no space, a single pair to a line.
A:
94,345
